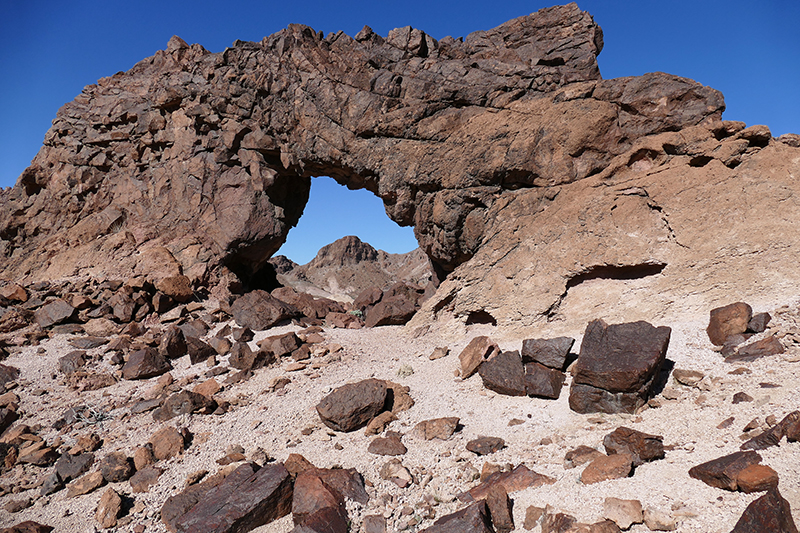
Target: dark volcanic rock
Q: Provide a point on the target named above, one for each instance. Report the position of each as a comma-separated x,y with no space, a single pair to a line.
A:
312,494
543,382
173,343
551,353
198,350
116,466
258,310
504,374
55,312
181,403
770,512
144,364
722,472
28,526
486,445
617,366
472,519
352,406
8,373
643,447
750,352
248,498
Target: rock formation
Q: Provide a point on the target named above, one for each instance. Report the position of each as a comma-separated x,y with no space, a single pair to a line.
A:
524,173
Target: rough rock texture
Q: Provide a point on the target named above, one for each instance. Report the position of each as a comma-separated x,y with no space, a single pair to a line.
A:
724,471
200,159
771,512
351,406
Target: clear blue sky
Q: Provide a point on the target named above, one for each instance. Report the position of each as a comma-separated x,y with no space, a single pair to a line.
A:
51,49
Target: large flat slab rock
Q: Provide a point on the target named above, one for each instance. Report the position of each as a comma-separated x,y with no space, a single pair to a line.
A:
248,498
259,310
551,353
724,471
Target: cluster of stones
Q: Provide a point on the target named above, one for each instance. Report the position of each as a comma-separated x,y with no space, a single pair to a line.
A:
732,325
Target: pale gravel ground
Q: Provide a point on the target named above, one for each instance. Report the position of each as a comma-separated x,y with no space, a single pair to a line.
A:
274,422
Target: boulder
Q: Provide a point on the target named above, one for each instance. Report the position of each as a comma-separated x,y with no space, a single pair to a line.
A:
179,288
543,382
472,519
642,447
724,471
109,509
281,345
551,353
617,366
500,509
476,352
729,320
8,373
353,405
116,466
55,312
145,363
167,442
504,374
608,467
770,512
183,403
437,428
28,526
199,351
624,513
788,427
173,343
249,497
389,445
756,350
258,310
72,361
757,478
312,494
519,478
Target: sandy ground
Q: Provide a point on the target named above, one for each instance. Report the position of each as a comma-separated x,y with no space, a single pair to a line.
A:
274,421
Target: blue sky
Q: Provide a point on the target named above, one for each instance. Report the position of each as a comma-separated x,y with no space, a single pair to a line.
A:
51,49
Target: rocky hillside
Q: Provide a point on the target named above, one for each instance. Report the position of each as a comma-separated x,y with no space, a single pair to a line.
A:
345,268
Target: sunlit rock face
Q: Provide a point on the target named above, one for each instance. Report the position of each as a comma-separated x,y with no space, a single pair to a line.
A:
523,172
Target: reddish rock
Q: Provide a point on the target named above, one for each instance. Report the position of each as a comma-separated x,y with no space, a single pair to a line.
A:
72,361
53,313
437,428
759,322
179,504
352,406
617,366
307,304
142,480
173,343
7,417
258,310
390,445
608,467
724,471
486,445
109,509
476,352
396,310
504,374
757,478
70,467
500,509
179,288
85,484
374,524
144,364
8,373
643,447
763,348
769,513
14,293
27,527
122,307
551,353
472,519
312,494
543,382
728,320
198,350
517,479
281,345
346,481
789,427
167,442
581,455
248,498
325,520
116,466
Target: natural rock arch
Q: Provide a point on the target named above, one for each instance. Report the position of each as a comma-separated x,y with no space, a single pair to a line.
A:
505,150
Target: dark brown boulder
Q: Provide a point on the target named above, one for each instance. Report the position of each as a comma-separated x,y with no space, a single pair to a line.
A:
788,427
486,445
179,288
198,350
759,322
325,520
248,498
353,405
756,350
281,345
70,467
28,526
144,364
8,373
390,445
723,472
258,310
543,382
116,466
145,478
617,366
72,361
312,494
393,311
728,320
472,519
504,374
770,512
7,417
53,313
551,353
181,403
173,343
500,509
643,447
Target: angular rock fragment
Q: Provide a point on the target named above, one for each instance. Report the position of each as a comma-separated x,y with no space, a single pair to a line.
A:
182,403
757,478
521,477
312,494
624,513
759,322
179,288
581,455
500,509
504,374
389,445
173,343
353,405
72,361
551,353
167,442
142,480
472,519
116,466
476,352
543,382
325,520
198,350
642,447
770,512
486,445
789,427
756,350
55,312
724,471
437,428
617,366
85,484
728,320
258,310
144,364
109,509
28,526
609,467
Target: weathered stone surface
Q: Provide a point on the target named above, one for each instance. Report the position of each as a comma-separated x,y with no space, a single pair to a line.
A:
8,373
500,509
436,428
181,403
109,509
72,361
770,512
69,467
755,350
143,479
759,322
641,446
353,405
85,484
788,427
757,478
144,364
311,494
173,343
504,374
551,353
116,466
472,519
167,442
657,520
249,497
198,350
608,467
543,382
624,513
179,288
7,417
55,312
281,345
620,359
729,320
389,445
724,471
258,310
325,520
28,526
521,477
486,445
580,455
476,352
